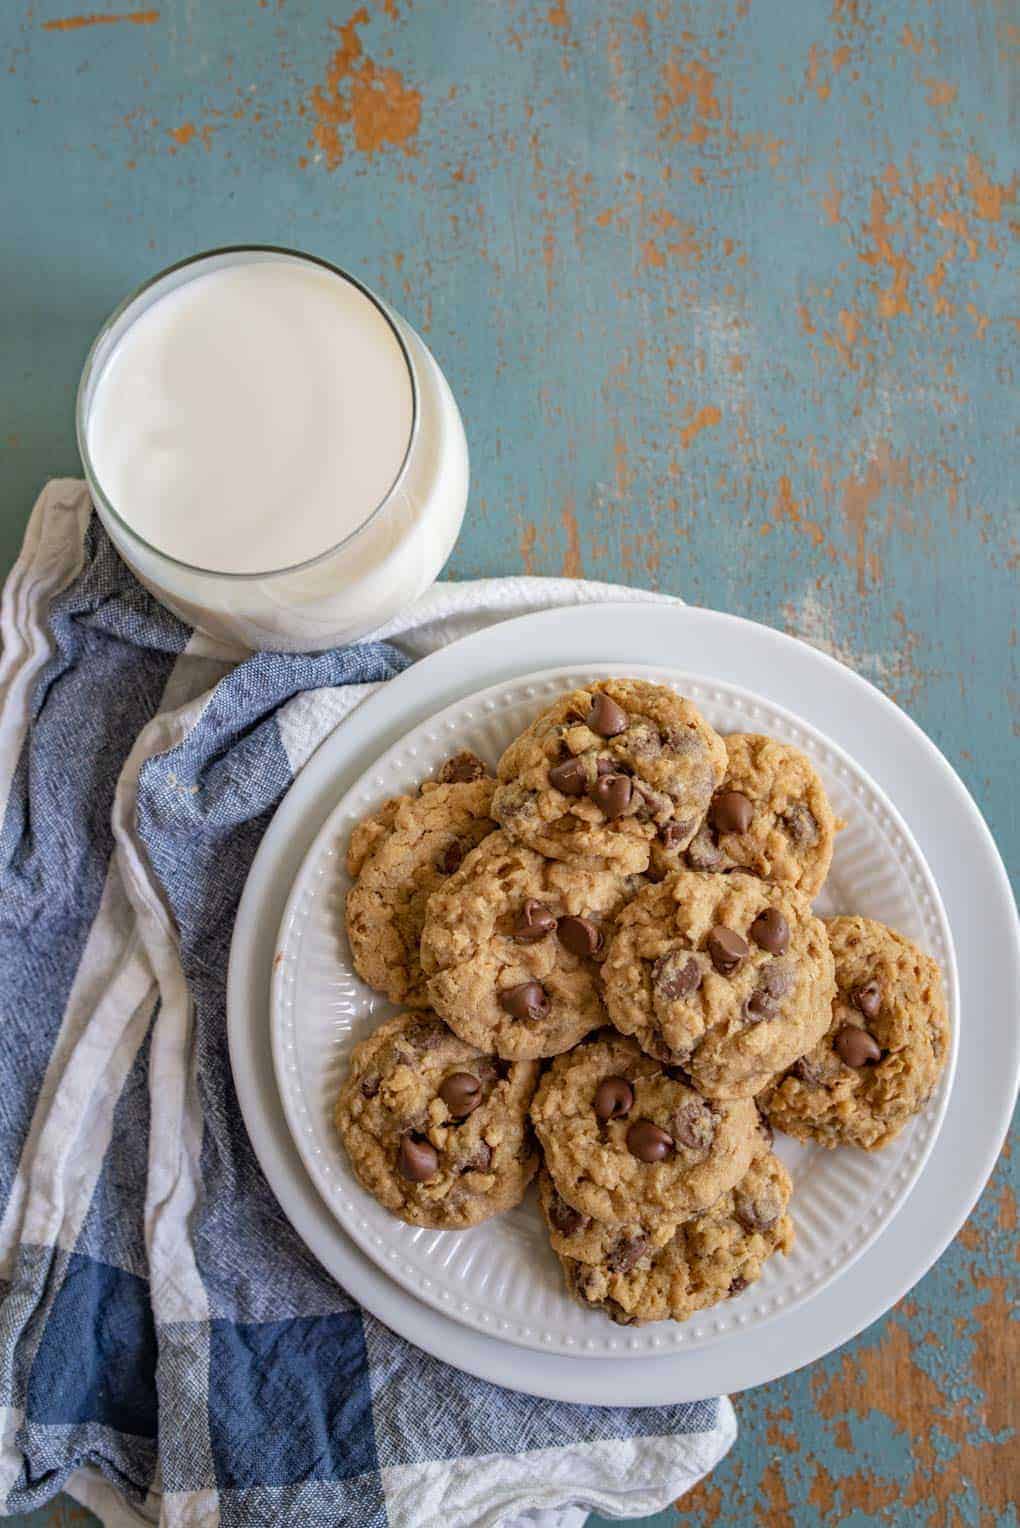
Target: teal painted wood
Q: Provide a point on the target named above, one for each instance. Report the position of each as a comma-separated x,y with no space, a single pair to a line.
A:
723,290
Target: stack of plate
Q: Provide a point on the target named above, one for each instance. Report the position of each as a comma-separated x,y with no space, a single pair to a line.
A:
491,1300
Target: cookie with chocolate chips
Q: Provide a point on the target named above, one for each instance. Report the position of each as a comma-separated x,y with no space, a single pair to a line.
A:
724,975
884,1050
398,857
770,817
606,771
630,1143
512,945
709,1258
436,1130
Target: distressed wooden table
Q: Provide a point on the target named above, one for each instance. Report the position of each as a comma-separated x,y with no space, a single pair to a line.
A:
723,291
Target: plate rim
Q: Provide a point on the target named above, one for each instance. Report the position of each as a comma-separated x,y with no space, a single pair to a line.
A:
572,631
325,843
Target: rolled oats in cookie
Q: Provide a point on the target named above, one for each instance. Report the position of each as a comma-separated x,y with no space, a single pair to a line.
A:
607,770
725,975
435,1130
770,817
884,1049
512,945
399,856
709,1258
661,1155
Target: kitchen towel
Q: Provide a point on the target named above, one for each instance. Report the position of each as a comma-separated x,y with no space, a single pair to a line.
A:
169,1349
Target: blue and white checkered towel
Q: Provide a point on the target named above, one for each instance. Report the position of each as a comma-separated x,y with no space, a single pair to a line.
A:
168,1347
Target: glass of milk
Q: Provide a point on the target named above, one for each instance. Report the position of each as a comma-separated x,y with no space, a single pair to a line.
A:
274,452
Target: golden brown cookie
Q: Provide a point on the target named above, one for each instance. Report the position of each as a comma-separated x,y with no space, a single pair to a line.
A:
884,1050
512,944
399,856
709,1258
770,817
724,975
605,771
434,1129
629,1143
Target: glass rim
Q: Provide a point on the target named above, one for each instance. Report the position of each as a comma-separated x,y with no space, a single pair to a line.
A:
92,477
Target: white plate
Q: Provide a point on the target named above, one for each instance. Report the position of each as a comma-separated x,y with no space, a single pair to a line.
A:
956,844
501,1277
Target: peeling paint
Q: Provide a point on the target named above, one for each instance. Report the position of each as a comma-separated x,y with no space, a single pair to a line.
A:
380,108
704,419
101,19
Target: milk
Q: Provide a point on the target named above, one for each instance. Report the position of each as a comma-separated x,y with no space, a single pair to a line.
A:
277,456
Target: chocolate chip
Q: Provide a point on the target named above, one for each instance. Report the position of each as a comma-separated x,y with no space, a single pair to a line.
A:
805,1070
800,824
760,1005
605,717
626,1253
529,1000
426,1034
693,1125
770,931
534,921
868,999
673,834
462,768
568,777
703,853
605,766
479,1161
614,1098
765,1126
418,1159
777,978
580,936
370,1085
648,1143
725,948
648,802
676,975
612,793
565,1219
856,1047
756,1214
451,857
731,812
737,1287
461,1092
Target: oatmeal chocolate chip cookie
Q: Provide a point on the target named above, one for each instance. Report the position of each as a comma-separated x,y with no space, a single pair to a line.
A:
724,975
709,1258
608,769
434,1129
632,1144
399,856
770,816
885,1048
511,948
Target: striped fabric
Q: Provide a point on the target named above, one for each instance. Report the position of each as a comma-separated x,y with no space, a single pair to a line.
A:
169,1350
